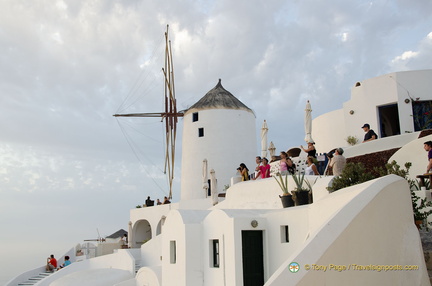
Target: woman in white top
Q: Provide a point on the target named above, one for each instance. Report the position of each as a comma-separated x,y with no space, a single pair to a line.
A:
311,169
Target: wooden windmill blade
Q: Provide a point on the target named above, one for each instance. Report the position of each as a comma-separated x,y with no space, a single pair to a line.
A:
170,114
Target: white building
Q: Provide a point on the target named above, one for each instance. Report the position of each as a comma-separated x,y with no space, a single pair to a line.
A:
211,131
392,104
361,235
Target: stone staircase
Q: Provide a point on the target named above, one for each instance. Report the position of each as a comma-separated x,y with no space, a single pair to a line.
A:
35,279
137,266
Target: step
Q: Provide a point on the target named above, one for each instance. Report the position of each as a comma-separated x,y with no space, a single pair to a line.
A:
45,274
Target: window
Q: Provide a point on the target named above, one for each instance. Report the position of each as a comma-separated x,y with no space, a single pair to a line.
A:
422,112
195,117
214,253
173,258
284,234
200,132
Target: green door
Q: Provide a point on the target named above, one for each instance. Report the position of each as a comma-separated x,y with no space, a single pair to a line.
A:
253,264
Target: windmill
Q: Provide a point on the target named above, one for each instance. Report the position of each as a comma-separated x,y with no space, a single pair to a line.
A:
170,115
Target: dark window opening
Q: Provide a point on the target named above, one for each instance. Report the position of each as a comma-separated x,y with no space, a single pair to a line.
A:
215,248
389,120
200,132
194,116
173,252
284,234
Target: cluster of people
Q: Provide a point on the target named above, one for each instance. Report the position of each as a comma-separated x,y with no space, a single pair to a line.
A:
149,202
287,167
262,169
52,263
336,163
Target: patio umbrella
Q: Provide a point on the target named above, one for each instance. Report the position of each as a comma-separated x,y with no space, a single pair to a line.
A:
130,234
272,149
308,122
205,177
213,186
264,131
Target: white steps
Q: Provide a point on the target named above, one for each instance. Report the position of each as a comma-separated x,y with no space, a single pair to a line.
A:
35,279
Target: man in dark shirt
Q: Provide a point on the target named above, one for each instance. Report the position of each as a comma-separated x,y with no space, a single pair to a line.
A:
370,134
428,148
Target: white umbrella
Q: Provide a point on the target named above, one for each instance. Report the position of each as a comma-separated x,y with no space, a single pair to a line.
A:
213,186
130,234
272,149
308,122
205,177
264,131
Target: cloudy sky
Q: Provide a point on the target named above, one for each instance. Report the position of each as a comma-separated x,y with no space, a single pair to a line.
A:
67,169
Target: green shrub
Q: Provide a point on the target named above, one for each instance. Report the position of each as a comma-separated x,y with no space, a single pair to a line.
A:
352,174
352,140
355,173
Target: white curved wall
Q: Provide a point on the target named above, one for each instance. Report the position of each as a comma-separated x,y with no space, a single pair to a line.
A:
330,130
149,276
366,224
414,153
221,145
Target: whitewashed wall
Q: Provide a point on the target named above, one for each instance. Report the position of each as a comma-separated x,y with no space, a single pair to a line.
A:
221,145
328,131
331,129
184,227
364,224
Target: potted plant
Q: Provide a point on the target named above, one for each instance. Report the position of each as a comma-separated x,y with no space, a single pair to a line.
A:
352,140
420,210
303,194
287,198
421,207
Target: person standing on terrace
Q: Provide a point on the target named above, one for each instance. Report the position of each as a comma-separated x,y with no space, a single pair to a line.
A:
258,161
291,166
311,169
244,171
337,162
370,134
310,149
428,148
283,164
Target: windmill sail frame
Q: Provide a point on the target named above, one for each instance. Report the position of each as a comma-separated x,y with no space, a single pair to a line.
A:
170,115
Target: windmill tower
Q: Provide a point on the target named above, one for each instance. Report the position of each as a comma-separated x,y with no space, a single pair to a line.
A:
221,129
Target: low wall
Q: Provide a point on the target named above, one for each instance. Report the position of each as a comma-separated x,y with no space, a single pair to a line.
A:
373,227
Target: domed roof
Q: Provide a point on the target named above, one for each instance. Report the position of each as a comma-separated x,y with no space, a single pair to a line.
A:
218,98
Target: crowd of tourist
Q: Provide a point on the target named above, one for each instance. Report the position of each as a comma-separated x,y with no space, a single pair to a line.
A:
335,164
